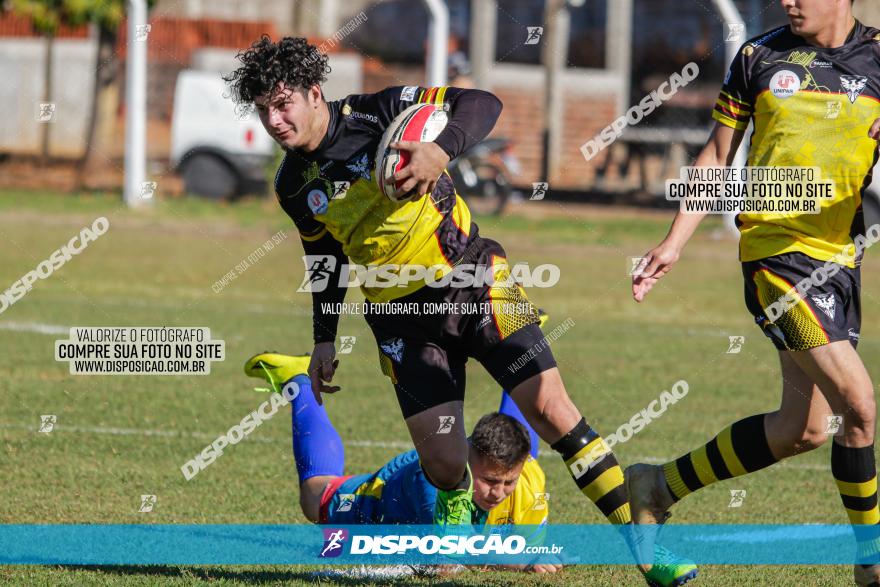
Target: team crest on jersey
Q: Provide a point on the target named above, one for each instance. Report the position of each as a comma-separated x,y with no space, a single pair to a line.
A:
825,302
318,202
853,84
393,348
785,84
360,166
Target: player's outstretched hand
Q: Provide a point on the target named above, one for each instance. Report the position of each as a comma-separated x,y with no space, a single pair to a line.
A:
427,162
322,368
874,131
655,264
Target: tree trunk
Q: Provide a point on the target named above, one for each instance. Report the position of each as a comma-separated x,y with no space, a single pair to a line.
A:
102,111
47,98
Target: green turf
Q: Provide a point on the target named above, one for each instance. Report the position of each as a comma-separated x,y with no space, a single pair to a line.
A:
157,267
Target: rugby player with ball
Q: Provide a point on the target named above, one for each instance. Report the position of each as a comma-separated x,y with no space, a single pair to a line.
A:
327,185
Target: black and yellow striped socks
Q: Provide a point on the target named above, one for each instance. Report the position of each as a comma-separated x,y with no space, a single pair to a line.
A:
739,449
855,472
596,471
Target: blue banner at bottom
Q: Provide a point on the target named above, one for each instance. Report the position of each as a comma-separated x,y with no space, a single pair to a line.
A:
152,544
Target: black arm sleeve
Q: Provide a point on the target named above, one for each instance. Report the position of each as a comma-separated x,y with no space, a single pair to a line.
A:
326,291
473,115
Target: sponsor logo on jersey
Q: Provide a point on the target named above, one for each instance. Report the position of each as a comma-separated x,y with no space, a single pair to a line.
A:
318,201
821,64
853,85
785,84
768,36
408,93
365,116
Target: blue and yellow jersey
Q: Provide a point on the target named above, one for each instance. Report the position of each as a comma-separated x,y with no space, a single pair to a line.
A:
399,493
811,107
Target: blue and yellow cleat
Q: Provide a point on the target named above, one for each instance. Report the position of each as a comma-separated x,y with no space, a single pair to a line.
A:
276,369
669,570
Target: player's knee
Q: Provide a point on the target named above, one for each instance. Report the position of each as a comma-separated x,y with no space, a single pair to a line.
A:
310,492
444,470
792,440
310,508
552,414
810,439
861,414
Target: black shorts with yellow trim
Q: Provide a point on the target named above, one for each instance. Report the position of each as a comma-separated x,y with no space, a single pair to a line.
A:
424,353
825,313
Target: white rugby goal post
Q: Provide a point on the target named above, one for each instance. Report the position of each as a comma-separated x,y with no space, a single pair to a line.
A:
135,103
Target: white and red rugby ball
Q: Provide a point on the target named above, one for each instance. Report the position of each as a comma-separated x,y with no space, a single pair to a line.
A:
419,123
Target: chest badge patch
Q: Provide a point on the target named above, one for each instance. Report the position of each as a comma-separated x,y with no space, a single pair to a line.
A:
318,202
785,84
853,86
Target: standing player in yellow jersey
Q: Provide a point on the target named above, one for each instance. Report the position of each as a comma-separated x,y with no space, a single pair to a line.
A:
812,90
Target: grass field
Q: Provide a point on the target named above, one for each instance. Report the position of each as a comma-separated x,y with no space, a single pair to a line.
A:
118,437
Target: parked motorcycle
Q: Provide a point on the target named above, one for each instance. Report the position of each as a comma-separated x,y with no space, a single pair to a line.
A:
482,174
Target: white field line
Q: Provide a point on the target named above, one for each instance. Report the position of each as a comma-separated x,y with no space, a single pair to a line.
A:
37,327
392,444
197,435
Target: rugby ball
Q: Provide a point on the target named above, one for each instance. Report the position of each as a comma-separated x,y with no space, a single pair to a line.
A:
419,123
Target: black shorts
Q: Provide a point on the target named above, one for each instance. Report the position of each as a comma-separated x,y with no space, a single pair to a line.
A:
826,312
424,352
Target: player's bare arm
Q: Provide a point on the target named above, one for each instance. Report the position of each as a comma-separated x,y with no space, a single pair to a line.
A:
719,151
322,367
874,131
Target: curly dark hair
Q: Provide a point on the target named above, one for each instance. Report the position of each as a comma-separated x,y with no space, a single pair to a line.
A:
501,439
266,63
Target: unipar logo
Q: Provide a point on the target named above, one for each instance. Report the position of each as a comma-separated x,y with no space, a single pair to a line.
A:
237,433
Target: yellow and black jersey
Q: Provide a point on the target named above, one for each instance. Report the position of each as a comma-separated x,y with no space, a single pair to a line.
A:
332,196
811,107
